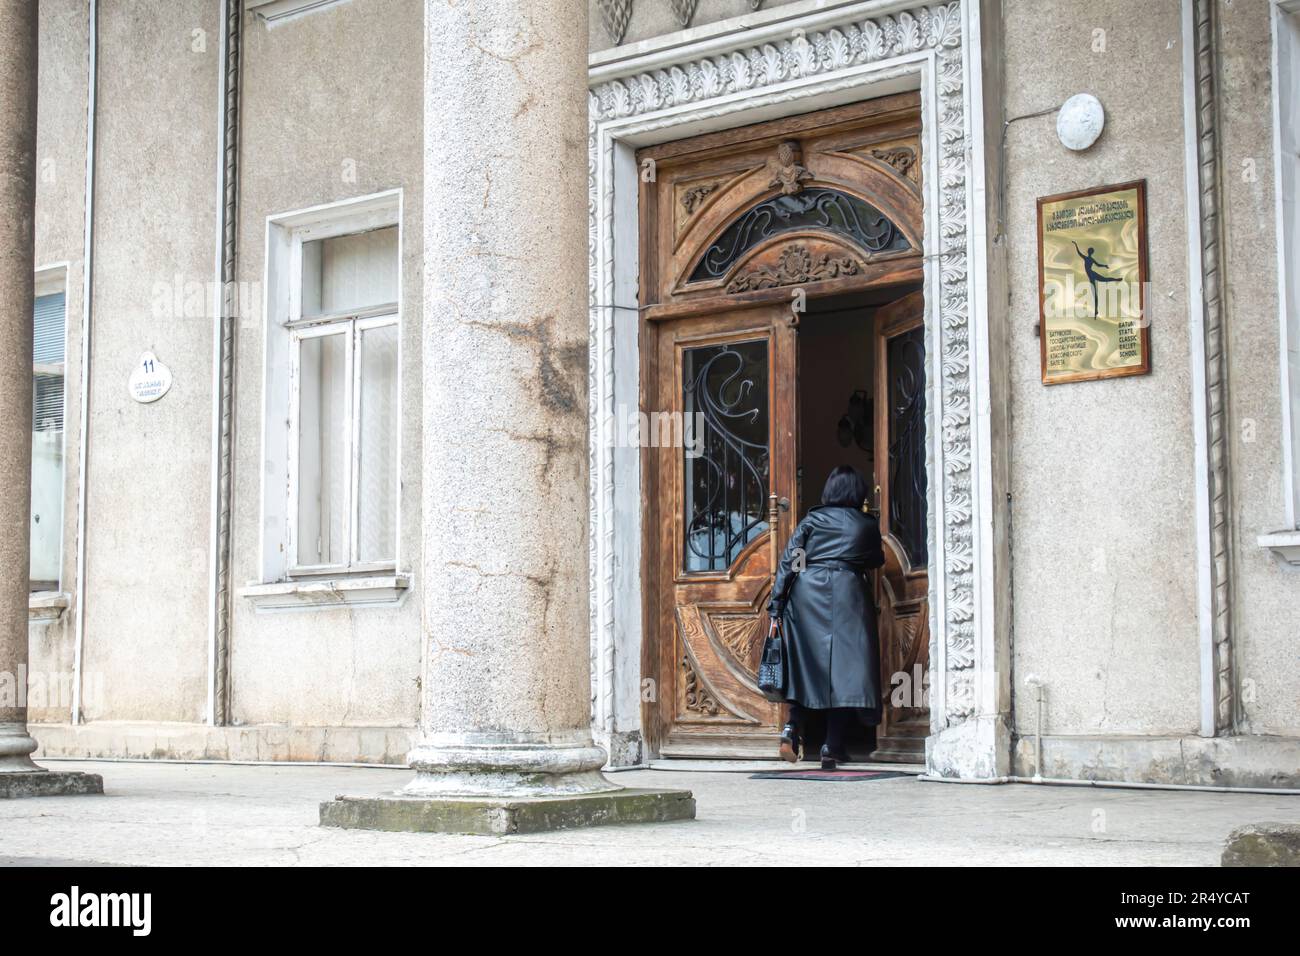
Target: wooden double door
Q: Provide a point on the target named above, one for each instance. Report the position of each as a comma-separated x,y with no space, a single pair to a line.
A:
746,235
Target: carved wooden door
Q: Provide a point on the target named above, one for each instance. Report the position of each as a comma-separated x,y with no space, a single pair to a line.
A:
739,230
730,396
902,585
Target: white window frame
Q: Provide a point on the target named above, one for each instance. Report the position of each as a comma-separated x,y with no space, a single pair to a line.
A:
350,327
51,280
1286,171
274,12
285,328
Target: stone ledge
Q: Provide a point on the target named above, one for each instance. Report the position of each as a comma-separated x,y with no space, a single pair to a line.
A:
1263,844
1284,544
500,817
1239,760
247,742
49,783
375,590
46,606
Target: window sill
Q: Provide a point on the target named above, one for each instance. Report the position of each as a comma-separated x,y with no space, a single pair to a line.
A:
46,606
385,590
273,11
1285,544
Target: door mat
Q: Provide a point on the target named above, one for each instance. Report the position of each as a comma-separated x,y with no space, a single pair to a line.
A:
831,776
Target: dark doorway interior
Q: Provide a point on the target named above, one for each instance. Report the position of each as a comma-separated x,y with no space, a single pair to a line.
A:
837,425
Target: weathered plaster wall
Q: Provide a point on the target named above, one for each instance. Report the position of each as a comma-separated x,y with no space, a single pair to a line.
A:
1267,620
147,536
332,106
652,18
60,211
1103,548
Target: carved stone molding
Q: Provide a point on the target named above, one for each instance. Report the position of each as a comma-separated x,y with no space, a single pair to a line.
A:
683,11
788,172
926,38
1216,368
795,267
614,17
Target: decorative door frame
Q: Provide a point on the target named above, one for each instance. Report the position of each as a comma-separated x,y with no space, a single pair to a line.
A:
791,60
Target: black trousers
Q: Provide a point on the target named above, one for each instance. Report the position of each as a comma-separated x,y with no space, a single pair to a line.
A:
838,721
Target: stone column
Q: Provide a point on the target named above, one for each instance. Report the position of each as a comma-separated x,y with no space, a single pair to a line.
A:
506,730
18,50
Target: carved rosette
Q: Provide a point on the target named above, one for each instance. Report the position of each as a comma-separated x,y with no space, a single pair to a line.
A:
936,28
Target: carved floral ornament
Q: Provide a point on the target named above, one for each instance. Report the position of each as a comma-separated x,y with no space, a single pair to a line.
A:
615,14
695,196
826,53
795,267
902,158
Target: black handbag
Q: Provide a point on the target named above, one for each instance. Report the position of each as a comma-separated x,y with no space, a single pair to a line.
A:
772,665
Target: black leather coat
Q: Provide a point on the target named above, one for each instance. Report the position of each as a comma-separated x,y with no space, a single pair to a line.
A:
827,612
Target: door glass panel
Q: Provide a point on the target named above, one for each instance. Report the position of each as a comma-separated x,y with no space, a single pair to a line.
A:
907,478
725,451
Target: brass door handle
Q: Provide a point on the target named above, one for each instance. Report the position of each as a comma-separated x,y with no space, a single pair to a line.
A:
775,505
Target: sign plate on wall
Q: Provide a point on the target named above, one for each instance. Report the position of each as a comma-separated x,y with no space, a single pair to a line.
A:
1092,275
150,379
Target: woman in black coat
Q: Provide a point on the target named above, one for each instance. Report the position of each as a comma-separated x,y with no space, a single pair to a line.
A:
822,598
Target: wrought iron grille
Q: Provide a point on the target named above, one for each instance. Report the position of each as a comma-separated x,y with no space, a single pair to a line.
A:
907,478
827,209
725,452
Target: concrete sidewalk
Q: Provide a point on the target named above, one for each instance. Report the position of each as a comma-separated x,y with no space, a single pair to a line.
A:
212,814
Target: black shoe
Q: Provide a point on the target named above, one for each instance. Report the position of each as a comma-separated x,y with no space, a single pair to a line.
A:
791,745
829,758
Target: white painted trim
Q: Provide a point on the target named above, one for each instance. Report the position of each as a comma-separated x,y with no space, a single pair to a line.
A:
1199,397
218,303
749,29
87,283
388,590
52,279
1285,544
988,697
275,12
282,330
637,102
1288,309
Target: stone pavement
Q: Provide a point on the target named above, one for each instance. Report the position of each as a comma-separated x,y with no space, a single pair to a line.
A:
214,814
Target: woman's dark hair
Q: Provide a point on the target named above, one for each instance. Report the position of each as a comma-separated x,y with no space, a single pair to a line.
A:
845,488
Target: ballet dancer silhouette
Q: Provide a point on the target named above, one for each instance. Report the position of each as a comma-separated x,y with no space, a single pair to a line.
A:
1090,265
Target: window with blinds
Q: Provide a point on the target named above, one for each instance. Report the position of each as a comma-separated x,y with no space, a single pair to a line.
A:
49,320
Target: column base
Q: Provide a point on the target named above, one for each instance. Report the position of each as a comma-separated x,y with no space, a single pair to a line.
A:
49,783
500,816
